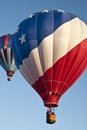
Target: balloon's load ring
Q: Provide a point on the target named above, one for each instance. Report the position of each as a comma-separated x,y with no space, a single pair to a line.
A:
50,117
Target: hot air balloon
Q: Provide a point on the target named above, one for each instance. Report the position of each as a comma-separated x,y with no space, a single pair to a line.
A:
50,50
6,55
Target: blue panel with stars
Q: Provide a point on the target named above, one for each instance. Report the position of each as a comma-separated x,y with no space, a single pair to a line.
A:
34,29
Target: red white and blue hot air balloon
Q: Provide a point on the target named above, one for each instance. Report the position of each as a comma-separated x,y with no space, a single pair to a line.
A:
6,55
50,50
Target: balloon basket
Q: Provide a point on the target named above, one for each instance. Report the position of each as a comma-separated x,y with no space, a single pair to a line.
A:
9,78
50,117
10,74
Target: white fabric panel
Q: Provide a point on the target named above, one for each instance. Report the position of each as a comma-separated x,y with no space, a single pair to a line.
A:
52,48
46,52
4,60
9,57
67,37
13,66
3,65
32,67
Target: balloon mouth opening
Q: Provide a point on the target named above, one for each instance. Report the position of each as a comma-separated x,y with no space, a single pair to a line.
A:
52,100
50,104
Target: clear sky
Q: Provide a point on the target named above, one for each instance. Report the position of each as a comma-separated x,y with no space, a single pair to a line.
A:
20,107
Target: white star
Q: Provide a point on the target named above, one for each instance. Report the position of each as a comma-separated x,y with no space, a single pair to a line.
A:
45,11
22,38
31,15
60,10
17,29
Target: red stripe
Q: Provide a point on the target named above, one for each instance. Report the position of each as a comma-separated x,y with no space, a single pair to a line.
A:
6,41
59,78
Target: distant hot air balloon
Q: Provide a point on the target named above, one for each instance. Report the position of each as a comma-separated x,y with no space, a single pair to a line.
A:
50,50
6,55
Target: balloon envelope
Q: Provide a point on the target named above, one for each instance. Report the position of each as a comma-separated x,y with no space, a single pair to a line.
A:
50,50
6,55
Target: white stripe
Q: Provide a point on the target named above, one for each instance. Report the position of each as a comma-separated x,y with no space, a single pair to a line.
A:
3,65
13,66
31,68
10,63
9,57
7,65
68,36
46,52
52,48
4,60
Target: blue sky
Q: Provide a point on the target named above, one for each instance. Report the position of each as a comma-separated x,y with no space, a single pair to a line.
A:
20,106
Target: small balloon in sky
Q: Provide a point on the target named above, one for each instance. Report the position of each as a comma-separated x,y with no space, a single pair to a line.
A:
6,55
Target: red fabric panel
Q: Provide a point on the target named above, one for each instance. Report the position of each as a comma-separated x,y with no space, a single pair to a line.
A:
6,41
59,78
